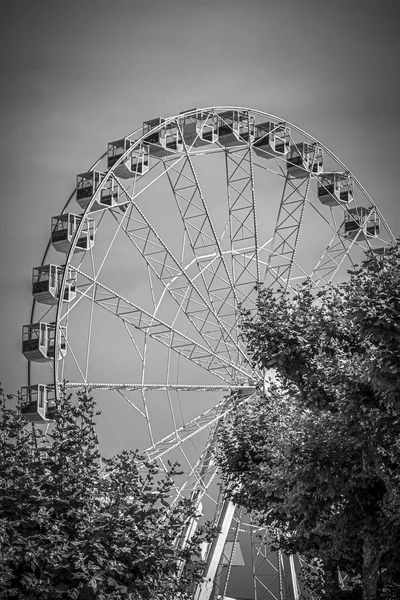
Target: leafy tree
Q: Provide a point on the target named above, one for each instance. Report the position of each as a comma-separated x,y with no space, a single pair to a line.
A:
71,527
318,455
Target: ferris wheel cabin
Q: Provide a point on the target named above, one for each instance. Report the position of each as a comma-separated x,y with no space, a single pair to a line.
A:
46,284
361,222
140,160
304,159
165,141
271,139
87,185
64,228
38,403
335,188
136,162
38,342
236,127
376,257
199,129
114,152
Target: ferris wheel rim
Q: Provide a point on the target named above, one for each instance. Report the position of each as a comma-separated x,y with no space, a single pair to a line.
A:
170,119
278,119
167,120
136,143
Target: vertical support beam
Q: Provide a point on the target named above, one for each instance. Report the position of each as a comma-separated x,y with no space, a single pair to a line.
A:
295,584
205,588
267,568
243,223
286,235
225,565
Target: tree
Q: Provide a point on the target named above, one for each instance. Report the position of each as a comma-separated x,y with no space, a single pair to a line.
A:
318,456
71,527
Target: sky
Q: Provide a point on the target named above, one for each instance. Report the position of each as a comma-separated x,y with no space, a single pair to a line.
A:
75,75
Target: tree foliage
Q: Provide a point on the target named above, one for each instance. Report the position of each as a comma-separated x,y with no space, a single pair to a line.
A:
318,455
73,526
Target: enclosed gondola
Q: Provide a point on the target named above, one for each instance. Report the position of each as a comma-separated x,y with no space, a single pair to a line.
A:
136,163
271,139
87,185
361,222
140,160
335,188
235,128
46,284
303,159
38,342
38,403
199,128
64,228
165,140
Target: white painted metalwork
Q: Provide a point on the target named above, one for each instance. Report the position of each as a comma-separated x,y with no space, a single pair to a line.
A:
243,223
191,213
286,234
204,590
162,387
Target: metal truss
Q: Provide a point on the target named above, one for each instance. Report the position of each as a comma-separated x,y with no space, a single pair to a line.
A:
203,472
332,259
221,578
159,387
208,418
204,241
243,223
176,281
157,329
205,589
286,235
275,575
267,568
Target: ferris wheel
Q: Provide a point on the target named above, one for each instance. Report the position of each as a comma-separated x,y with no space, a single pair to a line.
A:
139,292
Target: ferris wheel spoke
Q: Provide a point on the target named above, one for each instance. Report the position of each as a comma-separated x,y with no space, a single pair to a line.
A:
129,401
157,329
203,471
175,279
195,426
330,262
76,362
239,166
286,234
156,178
158,387
225,561
90,326
203,239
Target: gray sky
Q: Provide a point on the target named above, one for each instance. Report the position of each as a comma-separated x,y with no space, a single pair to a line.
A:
78,74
